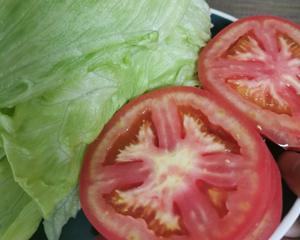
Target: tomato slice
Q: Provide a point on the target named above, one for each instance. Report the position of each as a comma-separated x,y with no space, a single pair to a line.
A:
254,64
178,163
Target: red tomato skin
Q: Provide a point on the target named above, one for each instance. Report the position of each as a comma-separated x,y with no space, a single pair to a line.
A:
293,141
85,177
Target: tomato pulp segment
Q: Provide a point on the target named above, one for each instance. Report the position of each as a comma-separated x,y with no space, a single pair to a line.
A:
254,63
177,163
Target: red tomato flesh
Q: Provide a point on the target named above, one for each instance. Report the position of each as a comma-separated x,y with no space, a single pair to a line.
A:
254,64
178,163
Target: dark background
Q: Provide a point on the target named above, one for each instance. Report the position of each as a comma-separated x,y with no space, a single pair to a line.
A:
289,9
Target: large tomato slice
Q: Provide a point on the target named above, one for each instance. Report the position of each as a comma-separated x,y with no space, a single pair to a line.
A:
255,64
177,163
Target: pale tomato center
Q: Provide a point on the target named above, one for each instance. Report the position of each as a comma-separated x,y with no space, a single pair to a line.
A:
263,77
173,172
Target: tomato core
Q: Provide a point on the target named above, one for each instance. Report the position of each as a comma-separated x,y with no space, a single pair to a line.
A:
174,169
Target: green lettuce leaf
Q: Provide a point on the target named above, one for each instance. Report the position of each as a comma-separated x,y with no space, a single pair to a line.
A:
43,44
19,214
69,65
65,209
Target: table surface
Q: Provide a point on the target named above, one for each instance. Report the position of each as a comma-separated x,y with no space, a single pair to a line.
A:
289,9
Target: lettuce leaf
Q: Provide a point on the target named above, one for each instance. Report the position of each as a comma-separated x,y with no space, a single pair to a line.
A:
19,214
68,66
43,44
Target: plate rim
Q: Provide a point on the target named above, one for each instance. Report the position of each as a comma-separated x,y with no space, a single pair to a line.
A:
223,14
